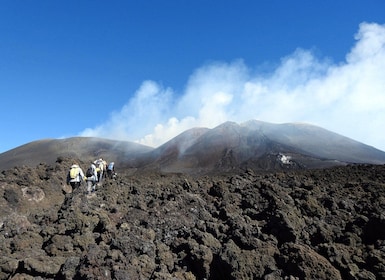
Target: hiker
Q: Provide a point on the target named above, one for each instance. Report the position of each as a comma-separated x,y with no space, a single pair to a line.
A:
75,176
92,178
104,168
100,168
111,170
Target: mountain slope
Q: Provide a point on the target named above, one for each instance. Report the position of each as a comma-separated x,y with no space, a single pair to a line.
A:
84,148
229,147
297,224
318,142
262,145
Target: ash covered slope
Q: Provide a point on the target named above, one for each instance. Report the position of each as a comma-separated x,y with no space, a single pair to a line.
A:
227,147
304,224
318,142
84,148
261,145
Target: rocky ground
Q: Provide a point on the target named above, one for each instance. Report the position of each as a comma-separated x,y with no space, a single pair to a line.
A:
304,224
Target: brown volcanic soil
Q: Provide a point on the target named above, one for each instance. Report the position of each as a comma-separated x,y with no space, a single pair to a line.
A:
308,224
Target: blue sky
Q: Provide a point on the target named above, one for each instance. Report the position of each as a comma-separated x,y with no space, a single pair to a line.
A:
146,71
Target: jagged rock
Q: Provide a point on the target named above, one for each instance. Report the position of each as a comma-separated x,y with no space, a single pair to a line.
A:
46,266
69,268
305,263
8,266
304,224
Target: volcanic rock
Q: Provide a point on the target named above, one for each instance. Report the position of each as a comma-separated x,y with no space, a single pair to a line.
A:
285,224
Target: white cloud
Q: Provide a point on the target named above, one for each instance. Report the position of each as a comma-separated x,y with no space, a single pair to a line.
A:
347,98
138,117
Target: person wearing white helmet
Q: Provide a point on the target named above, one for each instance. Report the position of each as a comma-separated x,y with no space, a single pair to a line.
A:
75,176
100,168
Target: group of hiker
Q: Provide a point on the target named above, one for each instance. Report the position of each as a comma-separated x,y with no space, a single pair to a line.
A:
95,174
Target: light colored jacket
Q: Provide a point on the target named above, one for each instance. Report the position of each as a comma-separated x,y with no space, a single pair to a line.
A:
101,164
79,177
94,177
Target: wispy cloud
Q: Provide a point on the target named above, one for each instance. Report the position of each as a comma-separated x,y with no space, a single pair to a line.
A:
346,97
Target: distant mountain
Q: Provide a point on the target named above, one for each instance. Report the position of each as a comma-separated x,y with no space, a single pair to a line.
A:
227,147
260,145
82,148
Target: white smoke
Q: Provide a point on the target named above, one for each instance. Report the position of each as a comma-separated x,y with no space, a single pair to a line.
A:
346,97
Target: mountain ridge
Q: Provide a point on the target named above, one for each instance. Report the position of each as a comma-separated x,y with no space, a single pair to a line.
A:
260,145
229,146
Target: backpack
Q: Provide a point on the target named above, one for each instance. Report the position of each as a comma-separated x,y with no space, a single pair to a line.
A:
89,172
73,172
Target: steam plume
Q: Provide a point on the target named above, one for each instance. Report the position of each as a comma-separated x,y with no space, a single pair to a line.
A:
346,97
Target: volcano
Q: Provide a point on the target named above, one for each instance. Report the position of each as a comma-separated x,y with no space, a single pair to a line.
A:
240,201
225,148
